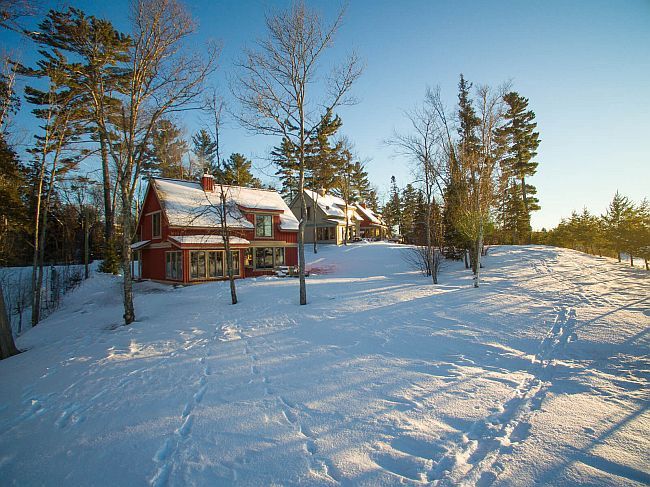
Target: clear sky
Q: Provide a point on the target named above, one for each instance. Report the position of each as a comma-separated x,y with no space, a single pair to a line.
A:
584,65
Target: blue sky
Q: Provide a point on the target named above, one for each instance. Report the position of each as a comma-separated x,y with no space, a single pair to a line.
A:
585,66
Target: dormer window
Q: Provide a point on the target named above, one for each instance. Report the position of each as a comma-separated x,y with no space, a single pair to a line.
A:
264,226
155,225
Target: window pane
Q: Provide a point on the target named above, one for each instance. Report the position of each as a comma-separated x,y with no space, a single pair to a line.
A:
212,264
264,258
221,268
155,224
194,261
235,261
248,258
279,256
201,264
263,225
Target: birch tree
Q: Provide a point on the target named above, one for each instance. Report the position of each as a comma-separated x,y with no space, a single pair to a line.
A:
282,92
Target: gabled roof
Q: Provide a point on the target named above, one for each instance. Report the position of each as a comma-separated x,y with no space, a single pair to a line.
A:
333,206
369,215
186,204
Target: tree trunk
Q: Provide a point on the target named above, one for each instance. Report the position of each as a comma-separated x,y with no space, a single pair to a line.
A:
631,260
315,201
226,244
465,256
618,254
347,224
646,265
7,345
86,245
477,257
301,242
108,202
127,286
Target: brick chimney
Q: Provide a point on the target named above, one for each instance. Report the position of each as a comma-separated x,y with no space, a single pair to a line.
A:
207,183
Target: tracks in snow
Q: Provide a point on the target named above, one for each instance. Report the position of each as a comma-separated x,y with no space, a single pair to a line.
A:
477,460
167,455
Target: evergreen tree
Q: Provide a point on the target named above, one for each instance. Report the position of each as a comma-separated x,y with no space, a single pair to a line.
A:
392,212
518,165
618,223
410,201
99,72
457,187
205,150
167,150
14,218
237,172
322,160
286,158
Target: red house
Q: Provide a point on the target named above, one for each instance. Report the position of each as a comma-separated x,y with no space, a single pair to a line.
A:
179,231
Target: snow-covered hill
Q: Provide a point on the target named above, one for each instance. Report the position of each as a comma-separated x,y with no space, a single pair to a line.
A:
541,375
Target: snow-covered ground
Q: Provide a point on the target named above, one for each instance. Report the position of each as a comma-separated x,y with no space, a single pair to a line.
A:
540,376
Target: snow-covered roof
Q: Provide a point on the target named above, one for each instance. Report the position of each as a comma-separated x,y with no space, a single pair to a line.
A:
369,214
140,244
330,204
207,239
187,205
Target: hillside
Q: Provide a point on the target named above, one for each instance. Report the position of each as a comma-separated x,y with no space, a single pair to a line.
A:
541,375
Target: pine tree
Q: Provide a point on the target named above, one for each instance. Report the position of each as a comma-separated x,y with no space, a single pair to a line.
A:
99,72
237,172
409,206
322,160
205,151
522,143
457,187
14,216
167,150
286,158
392,209
618,221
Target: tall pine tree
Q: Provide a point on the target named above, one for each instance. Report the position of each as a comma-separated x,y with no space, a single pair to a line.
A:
522,142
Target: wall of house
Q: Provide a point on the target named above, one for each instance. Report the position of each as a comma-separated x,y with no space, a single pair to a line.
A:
151,204
153,263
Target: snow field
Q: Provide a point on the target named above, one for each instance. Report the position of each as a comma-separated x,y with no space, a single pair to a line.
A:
540,375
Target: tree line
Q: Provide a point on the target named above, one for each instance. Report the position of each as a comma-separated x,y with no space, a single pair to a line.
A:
623,229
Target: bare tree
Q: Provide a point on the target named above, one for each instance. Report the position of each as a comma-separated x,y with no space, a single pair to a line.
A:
273,89
425,145
161,79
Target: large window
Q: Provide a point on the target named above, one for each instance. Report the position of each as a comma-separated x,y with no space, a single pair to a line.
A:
263,225
155,225
326,233
174,265
210,264
269,257
279,256
197,265
235,262
264,258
